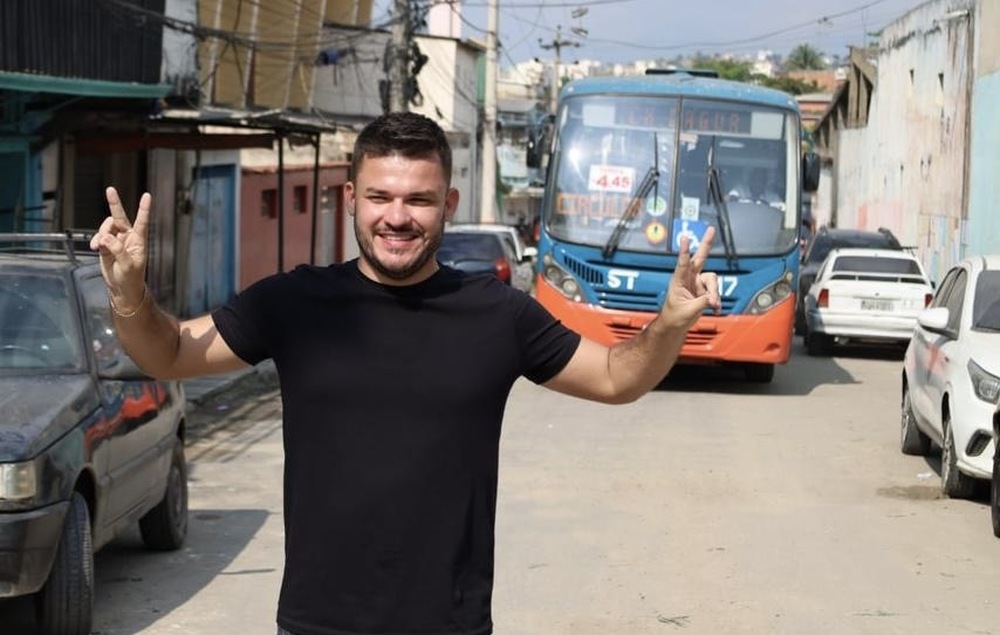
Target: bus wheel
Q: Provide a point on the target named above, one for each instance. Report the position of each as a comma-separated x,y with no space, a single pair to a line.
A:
759,373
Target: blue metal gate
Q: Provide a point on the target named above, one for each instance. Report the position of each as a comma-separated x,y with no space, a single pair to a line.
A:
211,272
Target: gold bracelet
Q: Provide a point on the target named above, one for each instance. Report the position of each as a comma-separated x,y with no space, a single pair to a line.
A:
135,311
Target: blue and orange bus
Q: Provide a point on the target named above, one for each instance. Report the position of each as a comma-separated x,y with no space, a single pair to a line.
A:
634,163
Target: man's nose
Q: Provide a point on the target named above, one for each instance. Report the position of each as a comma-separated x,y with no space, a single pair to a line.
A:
396,212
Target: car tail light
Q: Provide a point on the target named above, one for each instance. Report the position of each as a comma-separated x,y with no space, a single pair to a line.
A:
503,269
824,298
928,298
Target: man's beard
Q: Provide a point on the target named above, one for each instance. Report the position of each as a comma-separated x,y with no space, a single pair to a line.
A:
366,244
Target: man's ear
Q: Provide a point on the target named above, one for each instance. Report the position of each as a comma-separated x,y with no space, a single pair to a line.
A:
349,201
450,204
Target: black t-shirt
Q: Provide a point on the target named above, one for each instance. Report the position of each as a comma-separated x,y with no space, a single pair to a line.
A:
392,402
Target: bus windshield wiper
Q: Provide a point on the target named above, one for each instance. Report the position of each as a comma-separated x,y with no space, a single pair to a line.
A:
648,181
715,193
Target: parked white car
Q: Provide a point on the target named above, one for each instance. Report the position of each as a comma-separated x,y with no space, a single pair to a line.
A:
951,376
995,481
869,296
524,272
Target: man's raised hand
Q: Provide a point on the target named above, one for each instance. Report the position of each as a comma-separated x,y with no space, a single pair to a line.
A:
691,291
122,245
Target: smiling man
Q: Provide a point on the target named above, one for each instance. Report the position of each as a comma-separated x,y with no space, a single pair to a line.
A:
394,375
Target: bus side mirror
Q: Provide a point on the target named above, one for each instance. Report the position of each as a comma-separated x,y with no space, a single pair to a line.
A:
810,171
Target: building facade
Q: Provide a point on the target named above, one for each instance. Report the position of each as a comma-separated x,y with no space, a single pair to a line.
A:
910,141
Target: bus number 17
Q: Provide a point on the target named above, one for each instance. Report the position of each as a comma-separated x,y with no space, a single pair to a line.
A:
727,285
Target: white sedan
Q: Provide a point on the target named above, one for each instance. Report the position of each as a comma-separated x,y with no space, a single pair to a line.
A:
951,376
867,296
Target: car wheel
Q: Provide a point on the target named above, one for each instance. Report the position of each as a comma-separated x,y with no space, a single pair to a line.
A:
995,492
954,484
800,319
65,604
164,527
911,439
759,373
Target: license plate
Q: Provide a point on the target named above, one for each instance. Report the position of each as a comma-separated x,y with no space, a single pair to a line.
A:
877,305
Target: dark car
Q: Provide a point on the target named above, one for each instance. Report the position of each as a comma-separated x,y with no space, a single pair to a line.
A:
823,242
88,444
478,252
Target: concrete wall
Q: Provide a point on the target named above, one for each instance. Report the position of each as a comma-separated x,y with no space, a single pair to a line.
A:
907,170
984,186
258,233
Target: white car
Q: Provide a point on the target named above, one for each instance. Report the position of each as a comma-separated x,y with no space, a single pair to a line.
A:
951,375
868,296
524,272
995,481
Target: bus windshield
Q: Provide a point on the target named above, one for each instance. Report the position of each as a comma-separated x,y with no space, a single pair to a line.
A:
731,165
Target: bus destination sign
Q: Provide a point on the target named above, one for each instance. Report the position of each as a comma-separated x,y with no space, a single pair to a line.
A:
708,119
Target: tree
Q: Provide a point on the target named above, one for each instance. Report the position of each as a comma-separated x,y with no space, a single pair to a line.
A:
804,57
735,70
787,84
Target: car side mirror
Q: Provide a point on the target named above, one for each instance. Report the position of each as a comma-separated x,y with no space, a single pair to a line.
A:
934,320
530,253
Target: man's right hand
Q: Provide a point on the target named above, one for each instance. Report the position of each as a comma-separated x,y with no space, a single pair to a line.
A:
122,246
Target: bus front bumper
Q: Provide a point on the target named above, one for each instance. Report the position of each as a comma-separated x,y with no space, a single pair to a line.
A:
763,339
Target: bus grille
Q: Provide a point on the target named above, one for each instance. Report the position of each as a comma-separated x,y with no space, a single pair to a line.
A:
583,271
629,301
648,302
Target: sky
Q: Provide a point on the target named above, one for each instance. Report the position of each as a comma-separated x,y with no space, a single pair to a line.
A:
628,30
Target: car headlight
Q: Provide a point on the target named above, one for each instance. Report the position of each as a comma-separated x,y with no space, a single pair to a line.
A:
985,385
18,481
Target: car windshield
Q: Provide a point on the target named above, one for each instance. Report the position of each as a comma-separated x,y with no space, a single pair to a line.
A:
469,246
873,264
986,307
633,173
37,329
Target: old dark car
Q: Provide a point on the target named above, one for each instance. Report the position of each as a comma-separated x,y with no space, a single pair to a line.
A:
88,444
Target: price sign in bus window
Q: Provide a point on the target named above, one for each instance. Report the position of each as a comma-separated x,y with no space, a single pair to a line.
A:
611,178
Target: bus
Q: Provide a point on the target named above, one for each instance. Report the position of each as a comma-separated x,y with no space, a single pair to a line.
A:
632,164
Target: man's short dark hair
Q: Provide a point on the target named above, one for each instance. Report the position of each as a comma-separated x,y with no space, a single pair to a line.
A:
406,133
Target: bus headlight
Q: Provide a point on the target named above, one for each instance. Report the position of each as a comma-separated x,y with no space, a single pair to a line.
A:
771,295
561,279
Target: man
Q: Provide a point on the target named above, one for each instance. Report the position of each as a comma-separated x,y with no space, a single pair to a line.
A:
394,373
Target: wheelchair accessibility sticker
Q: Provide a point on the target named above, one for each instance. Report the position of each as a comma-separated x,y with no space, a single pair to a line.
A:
693,229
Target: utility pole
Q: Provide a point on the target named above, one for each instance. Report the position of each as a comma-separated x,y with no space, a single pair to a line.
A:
558,43
398,69
488,192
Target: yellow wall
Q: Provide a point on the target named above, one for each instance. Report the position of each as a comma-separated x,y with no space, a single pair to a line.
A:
278,71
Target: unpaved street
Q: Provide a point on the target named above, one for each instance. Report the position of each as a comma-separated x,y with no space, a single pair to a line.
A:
710,506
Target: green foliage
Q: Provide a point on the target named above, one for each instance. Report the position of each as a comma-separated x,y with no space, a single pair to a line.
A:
788,84
735,70
804,57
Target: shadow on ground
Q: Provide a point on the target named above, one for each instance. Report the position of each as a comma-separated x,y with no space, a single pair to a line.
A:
135,587
800,376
